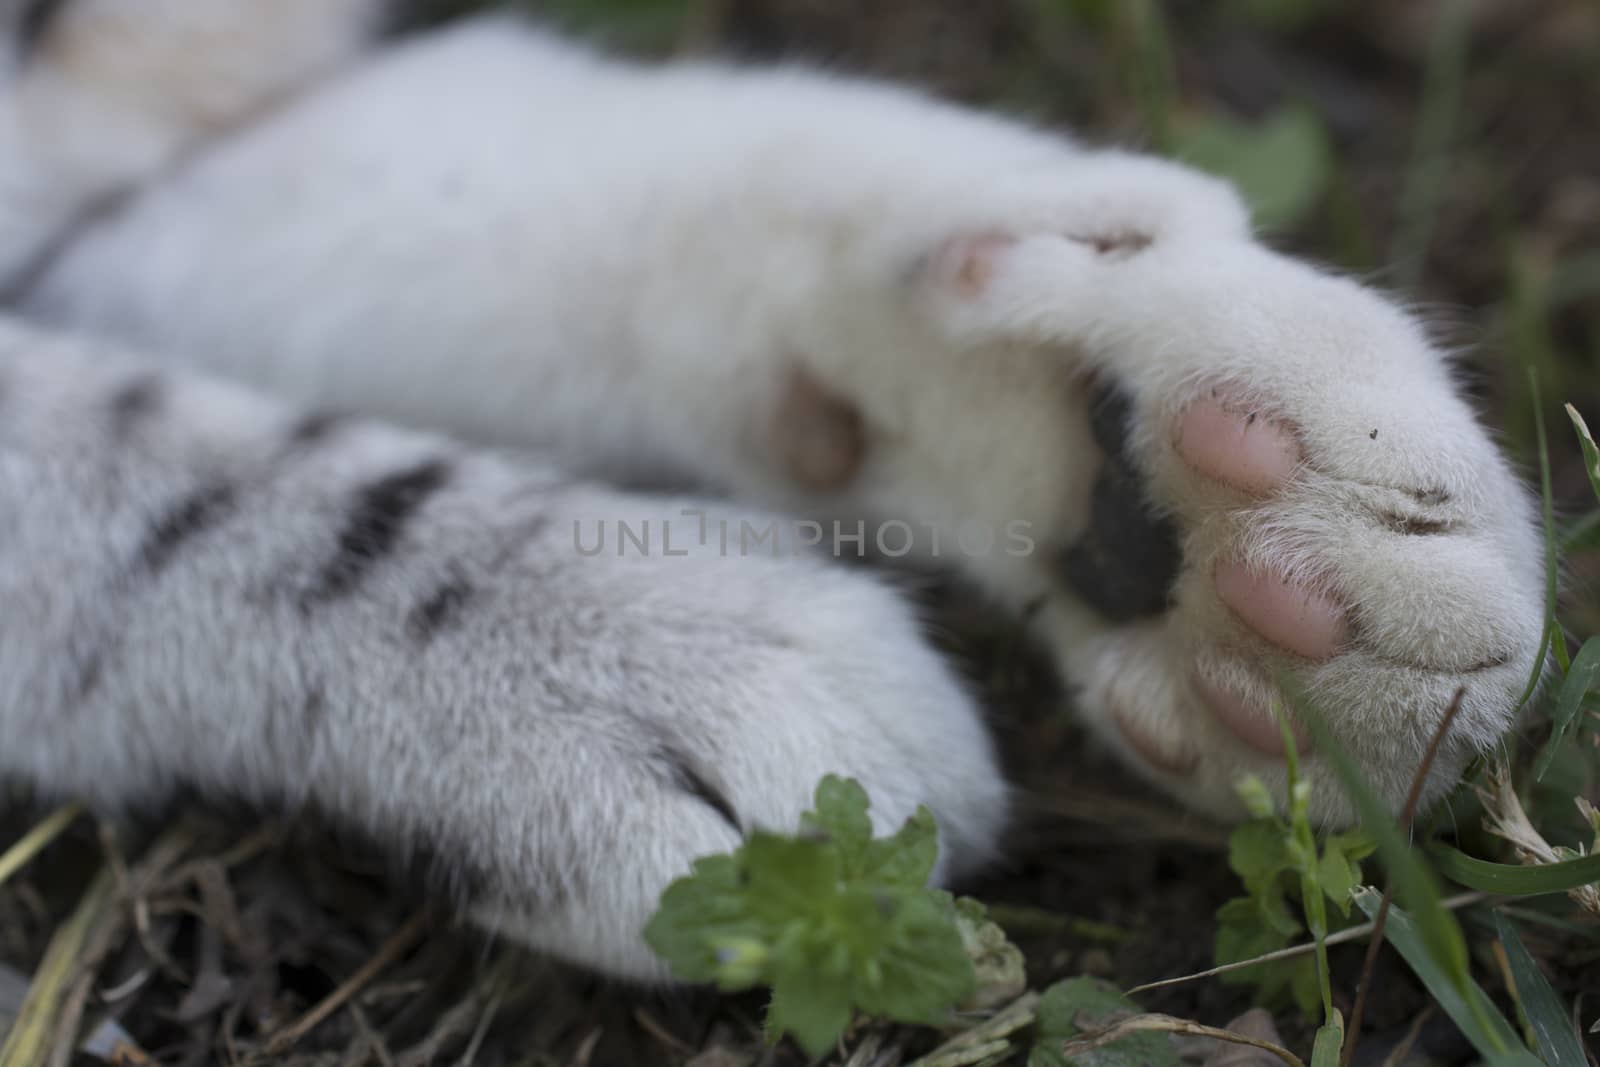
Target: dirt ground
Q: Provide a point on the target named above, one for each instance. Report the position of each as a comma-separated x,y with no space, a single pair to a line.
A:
1493,225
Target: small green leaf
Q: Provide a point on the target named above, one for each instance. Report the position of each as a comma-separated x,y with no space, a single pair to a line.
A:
1253,926
833,920
810,1001
1356,843
1415,884
1281,166
1279,917
1558,1043
1080,1005
904,860
1248,927
1338,877
697,915
924,968
1258,852
786,878
839,812
1339,871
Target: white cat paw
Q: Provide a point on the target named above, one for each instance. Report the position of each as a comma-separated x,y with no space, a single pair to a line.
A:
1334,511
744,681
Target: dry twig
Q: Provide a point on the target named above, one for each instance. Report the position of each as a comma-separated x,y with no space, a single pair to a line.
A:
1077,1046
397,945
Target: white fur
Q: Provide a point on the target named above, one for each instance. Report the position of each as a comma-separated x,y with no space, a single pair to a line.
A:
493,233
118,90
537,740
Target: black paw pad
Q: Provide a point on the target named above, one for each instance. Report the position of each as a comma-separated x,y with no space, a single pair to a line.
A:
1127,560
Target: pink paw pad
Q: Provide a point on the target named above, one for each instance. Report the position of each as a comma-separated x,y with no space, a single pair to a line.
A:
1254,725
1283,612
1171,756
1236,446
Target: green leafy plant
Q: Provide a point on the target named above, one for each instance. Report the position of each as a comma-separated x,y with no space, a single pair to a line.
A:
1421,928
1079,1005
1285,878
834,921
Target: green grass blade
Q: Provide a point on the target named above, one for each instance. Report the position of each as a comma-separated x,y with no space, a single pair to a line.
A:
1580,678
1533,917
1304,851
1591,454
1415,886
1467,1005
1540,658
1552,570
1511,880
34,841
1551,635
1558,1043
